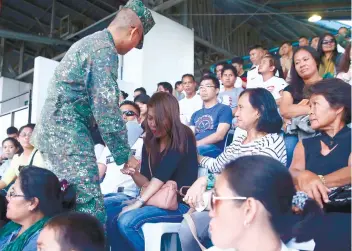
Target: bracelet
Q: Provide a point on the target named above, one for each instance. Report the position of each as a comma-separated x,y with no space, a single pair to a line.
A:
210,181
139,198
322,179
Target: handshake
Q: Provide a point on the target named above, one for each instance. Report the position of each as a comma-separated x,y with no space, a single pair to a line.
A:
131,166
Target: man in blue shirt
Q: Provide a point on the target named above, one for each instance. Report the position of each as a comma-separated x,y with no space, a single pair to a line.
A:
211,123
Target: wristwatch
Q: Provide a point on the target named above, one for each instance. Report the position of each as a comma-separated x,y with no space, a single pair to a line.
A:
139,198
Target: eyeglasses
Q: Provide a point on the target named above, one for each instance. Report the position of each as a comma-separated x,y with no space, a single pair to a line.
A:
12,194
23,134
129,113
331,41
206,87
215,198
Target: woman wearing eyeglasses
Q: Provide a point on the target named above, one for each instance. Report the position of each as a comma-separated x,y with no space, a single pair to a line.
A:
30,156
261,124
36,196
251,207
327,49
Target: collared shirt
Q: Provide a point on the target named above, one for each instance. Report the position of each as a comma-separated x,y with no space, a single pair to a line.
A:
82,91
31,244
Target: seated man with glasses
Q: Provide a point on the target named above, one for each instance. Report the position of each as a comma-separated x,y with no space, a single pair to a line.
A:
113,180
211,123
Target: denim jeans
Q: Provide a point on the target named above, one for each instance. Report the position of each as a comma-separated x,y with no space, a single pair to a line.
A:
126,232
290,143
209,150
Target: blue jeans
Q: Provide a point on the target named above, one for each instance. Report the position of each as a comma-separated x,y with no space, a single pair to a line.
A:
290,143
209,150
126,232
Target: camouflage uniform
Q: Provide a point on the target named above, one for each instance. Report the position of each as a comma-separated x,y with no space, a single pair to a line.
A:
83,91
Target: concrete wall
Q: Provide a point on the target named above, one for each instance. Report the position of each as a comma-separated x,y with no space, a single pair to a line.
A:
10,88
43,71
168,53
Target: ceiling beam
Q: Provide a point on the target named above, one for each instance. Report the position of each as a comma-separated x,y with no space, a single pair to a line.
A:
213,47
72,12
33,38
167,5
316,7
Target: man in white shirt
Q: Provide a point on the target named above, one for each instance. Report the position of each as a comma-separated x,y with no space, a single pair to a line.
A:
254,79
192,102
114,181
270,82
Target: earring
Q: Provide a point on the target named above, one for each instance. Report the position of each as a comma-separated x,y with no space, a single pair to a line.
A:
246,224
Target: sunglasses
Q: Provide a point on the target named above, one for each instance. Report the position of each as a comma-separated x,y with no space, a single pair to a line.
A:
331,41
214,199
129,113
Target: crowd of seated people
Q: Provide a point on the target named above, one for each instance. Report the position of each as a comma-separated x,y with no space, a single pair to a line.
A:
291,135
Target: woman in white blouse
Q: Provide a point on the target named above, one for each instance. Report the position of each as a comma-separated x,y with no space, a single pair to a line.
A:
257,115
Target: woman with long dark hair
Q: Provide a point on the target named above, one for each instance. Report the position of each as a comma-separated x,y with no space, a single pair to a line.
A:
29,156
251,207
10,147
36,196
329,56
169,153
345,67
304,72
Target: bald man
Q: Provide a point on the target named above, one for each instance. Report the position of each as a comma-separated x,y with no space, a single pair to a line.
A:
84,91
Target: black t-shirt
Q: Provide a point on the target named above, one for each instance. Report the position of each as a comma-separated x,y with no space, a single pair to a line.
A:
290,90
173,165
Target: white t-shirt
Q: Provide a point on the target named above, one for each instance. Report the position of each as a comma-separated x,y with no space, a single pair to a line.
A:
254,78
274,85
114,178
188,107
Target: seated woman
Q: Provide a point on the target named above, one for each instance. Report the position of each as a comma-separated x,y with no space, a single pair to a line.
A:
251,207
72,231
304,72
322,162
329,56
30,156
169,153
256,114
10,147
36,196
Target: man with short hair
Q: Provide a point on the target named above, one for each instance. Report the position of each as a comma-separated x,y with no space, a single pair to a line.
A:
114,182
256,53
164,87
342,39
303,41
192,102
314,43
139,91
286,58
84,91
238,62
213,121
218,69
270,82
229,96
12,132
179,93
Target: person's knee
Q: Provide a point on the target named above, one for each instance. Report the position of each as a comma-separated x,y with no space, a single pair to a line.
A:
184,232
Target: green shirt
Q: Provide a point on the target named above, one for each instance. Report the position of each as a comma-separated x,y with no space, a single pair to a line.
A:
83,91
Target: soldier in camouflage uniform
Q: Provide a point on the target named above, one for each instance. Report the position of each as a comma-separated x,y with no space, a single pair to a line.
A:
83,91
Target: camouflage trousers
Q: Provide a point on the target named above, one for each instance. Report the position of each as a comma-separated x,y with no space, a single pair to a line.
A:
82,173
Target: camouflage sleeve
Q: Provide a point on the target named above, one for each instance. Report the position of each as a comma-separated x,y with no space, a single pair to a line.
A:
103,94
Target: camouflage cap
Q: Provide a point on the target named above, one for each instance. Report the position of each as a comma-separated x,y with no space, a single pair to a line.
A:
144,15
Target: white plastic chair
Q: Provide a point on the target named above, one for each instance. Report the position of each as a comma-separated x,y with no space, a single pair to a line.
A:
153,233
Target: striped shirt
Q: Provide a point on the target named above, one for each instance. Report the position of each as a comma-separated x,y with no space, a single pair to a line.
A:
272,145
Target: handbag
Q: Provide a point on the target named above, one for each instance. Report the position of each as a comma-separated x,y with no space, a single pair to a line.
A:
339,200
166,197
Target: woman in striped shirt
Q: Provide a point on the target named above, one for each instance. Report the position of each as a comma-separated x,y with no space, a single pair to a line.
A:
261,123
